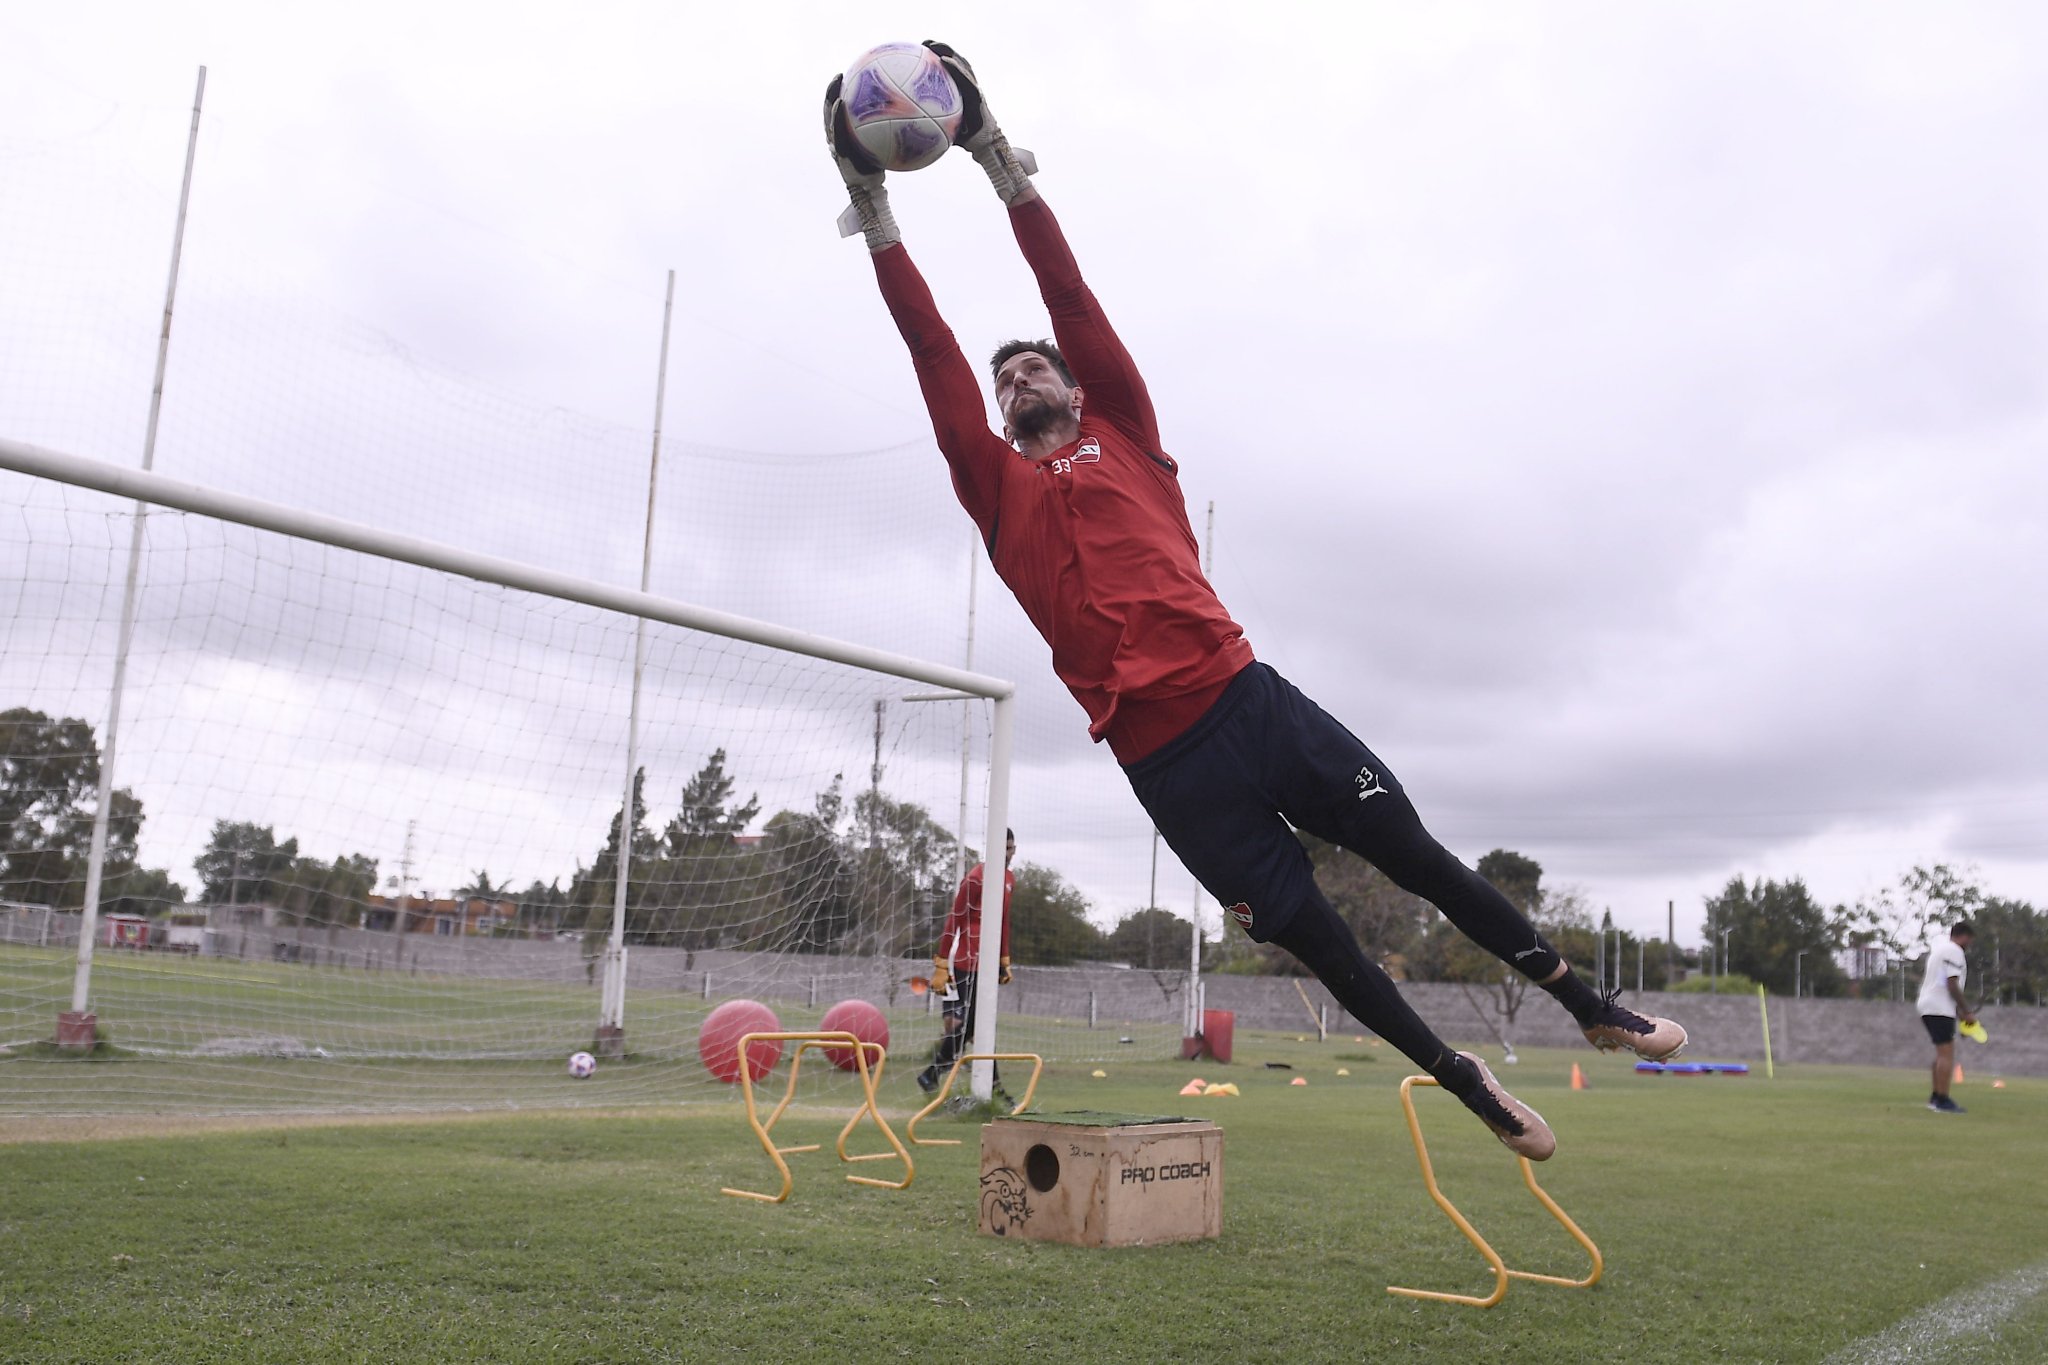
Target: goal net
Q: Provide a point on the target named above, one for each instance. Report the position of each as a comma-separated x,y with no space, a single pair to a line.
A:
364,844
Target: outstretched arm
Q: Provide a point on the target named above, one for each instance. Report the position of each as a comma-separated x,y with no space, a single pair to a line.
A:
1100,364
950,393
1108,377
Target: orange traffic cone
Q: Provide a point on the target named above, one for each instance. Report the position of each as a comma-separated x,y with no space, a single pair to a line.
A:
1959,1073
1578,1077
1998,1085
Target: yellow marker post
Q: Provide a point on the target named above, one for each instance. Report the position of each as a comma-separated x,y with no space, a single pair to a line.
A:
1501,1273
1037,1066
1764,1004
862,1051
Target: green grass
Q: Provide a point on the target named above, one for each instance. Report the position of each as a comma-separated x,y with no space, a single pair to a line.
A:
1742,1220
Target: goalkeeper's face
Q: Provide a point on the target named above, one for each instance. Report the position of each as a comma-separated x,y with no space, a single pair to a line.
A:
1032,396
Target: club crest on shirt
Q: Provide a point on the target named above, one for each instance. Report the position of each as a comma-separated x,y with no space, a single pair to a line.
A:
1242,913
1088,452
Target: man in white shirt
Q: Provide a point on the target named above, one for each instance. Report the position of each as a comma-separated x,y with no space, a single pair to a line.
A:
1941,1005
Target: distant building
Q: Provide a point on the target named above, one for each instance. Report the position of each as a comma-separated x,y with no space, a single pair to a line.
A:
442,916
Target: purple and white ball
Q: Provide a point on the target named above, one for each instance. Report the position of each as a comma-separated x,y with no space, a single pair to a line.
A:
582,1065
902,104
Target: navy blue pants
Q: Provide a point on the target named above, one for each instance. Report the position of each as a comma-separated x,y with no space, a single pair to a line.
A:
1263,758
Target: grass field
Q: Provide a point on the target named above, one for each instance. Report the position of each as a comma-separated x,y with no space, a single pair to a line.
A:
1742,1220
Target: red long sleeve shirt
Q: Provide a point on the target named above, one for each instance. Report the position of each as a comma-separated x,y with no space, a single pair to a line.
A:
960,940
1094,539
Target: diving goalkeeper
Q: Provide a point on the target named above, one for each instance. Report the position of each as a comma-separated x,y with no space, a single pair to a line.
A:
1080,508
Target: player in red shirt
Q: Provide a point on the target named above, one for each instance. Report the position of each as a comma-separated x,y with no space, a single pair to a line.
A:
1081,511
956,965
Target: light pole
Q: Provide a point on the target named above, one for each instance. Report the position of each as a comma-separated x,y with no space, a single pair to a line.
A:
1796,958
1724,954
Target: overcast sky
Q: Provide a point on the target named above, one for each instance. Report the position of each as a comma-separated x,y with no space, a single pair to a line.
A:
1629,419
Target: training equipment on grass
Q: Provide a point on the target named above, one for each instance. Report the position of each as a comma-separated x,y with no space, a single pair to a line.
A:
1501,1273
1102,1180
582,1065
946,1088
901,105
863,1021
870,1058
1694,1068
718,1040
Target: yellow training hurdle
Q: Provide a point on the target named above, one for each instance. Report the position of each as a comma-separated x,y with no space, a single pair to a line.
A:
1037,1066
869,1078
1501,1273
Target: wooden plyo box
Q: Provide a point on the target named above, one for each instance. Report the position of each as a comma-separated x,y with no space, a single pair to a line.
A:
1102,1180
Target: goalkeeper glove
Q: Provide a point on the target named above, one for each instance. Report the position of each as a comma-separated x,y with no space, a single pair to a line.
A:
939,977
869,213
1003,977
1009,169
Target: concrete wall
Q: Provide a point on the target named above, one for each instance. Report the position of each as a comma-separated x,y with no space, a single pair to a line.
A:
1723,1028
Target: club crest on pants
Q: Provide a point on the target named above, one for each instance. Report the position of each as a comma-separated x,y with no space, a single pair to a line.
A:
1242,913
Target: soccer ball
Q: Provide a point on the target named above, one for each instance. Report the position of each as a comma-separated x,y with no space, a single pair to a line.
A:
582,1065
902,104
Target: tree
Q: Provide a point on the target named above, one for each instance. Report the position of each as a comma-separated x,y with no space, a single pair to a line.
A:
904,872
243,863
542,906
49,780
2011,951
1515,876
139,891
1769,925
330,894
1153,938
591,889
1562,916
1389,922
1050,923
483,888
1903,919
708,811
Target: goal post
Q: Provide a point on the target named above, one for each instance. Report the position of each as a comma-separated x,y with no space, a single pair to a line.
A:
715,880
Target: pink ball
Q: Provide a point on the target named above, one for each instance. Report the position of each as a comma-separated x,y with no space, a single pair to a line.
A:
863,1021
718,1041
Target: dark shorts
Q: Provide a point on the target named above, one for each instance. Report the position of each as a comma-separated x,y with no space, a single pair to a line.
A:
1228,794
1940,1028
961,1006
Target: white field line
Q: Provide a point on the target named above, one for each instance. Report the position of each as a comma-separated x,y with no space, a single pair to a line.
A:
1962,1320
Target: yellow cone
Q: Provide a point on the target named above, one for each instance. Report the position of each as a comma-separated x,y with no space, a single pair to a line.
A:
1222,1088
1343,1071
1099,1074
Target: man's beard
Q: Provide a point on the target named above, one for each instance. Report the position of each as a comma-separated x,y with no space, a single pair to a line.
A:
1034,418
